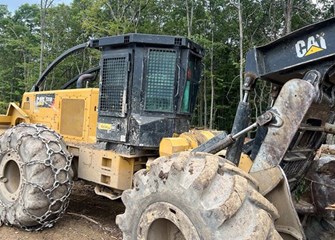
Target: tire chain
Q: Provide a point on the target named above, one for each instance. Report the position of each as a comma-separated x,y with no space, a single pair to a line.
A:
42,221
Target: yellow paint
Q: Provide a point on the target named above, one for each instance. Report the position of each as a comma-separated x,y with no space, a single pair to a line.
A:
105,126
168,146
190,137
245,162
207,134
313,49
73,113
104,167
14,116
186,141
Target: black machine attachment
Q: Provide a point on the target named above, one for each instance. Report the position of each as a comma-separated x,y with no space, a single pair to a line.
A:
307,54
300,115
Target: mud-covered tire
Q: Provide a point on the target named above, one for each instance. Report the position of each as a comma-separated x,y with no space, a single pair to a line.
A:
35,177
195,196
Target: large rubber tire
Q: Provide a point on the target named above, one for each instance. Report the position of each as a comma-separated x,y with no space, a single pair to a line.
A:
35,177
195,196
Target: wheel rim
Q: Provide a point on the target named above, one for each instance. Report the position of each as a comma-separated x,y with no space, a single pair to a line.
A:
10,178
165,221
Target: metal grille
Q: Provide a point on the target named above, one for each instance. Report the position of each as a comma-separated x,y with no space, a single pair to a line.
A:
301,152
177,41
113,86
160,80
293,169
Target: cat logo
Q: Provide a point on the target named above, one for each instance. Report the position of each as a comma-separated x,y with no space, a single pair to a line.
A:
313,45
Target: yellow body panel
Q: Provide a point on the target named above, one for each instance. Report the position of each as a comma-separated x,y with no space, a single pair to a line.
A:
186,141
104,167
168,146
13,116
72,113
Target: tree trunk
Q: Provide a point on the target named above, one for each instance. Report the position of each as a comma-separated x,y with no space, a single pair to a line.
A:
189,17
42,37
205,102
25,71
288,16
241,48
45,4
201,110
212,82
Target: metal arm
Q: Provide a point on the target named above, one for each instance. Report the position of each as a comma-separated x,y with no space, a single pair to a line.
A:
223,140
36,86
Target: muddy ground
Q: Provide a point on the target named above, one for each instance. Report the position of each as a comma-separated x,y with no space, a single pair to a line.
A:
89,217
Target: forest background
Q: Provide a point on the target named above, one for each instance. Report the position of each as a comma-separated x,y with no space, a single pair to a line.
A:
35,34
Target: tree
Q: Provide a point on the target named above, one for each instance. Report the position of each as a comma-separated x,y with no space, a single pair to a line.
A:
288,9
34,35
189,16
19,47
45,4
113,17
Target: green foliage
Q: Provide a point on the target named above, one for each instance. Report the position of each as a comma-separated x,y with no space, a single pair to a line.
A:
3,107
301,189
213,24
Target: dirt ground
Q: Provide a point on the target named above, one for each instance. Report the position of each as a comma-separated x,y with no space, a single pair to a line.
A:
89,217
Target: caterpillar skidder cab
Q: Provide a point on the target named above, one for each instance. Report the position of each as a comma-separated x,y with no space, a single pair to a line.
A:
147,91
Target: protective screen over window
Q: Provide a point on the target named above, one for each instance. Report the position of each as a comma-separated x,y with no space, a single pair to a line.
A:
161,71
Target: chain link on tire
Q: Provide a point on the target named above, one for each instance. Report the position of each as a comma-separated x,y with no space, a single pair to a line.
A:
37,156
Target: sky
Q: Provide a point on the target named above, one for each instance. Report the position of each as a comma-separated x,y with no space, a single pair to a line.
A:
14,4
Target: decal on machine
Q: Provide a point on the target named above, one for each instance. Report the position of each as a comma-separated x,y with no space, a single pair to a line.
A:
45,101
105,126
312,45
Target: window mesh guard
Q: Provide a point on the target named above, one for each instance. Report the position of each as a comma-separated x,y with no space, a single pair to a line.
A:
114,84
160,80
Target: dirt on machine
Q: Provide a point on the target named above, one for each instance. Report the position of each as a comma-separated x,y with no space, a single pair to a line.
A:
130,138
